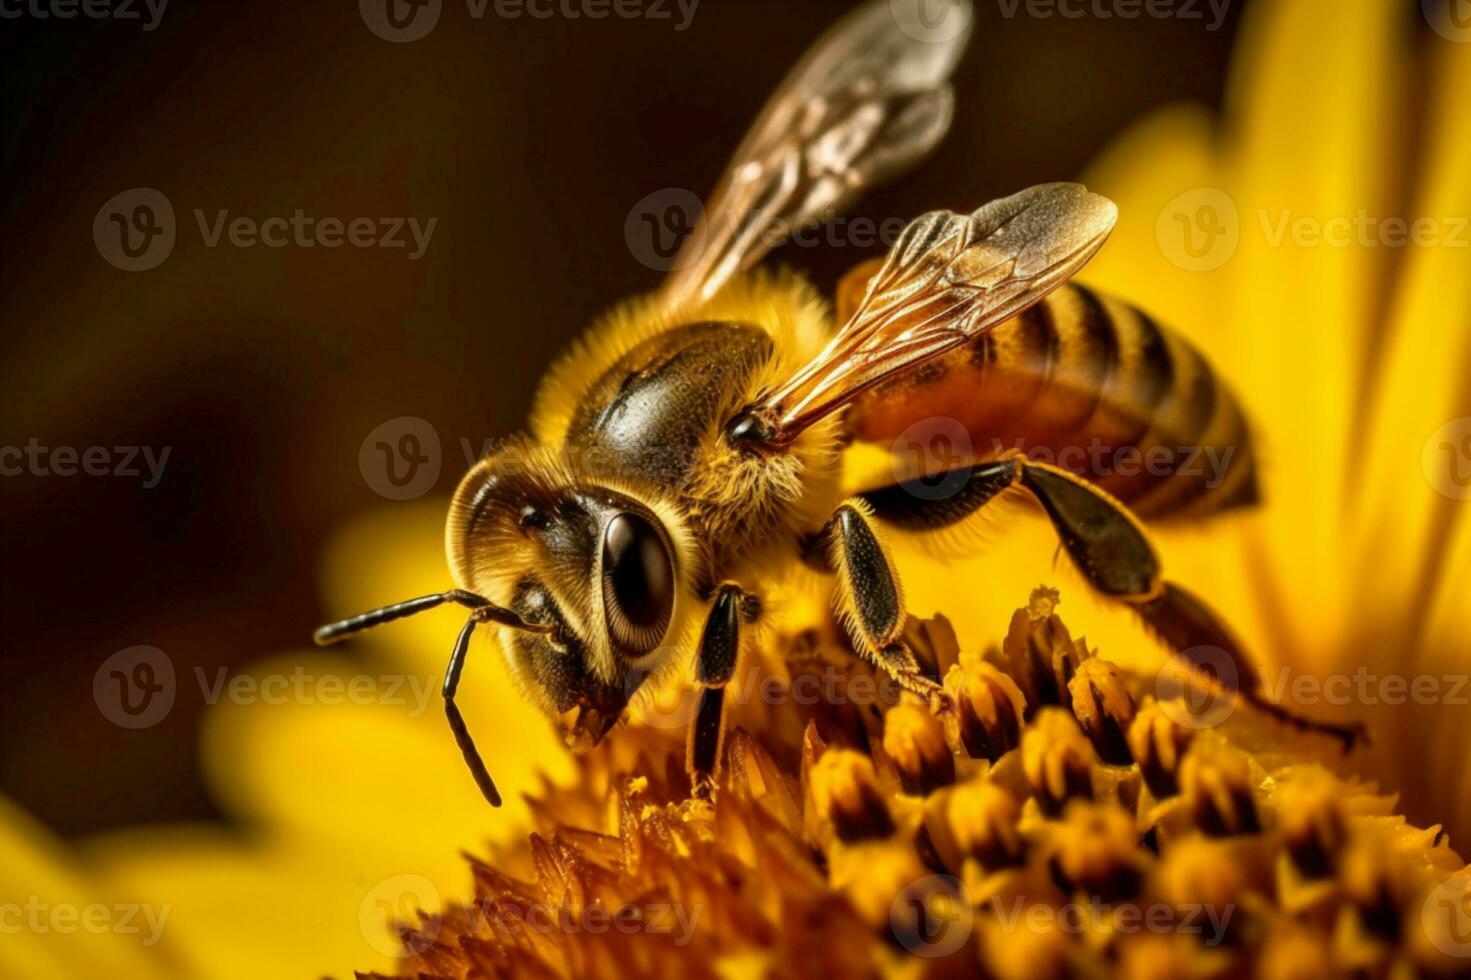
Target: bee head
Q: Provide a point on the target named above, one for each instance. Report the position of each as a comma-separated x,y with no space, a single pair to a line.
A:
603,566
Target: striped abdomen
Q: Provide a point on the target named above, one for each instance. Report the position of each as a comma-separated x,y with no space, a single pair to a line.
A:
1093,385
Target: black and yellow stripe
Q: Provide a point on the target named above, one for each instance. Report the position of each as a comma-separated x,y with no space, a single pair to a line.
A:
1096,386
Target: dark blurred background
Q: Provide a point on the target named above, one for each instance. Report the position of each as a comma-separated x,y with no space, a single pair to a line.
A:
262,369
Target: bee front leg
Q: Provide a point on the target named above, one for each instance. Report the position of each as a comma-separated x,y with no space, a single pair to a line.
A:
870,597
715,663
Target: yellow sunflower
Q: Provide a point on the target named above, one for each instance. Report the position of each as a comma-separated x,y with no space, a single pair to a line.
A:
1351,355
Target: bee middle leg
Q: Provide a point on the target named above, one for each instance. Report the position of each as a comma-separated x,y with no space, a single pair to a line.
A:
1108,545
871,598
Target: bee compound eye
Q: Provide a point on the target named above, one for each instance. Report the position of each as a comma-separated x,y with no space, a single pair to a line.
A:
638,583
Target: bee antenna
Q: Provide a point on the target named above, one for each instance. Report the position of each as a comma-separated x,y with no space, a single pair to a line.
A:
471,754
482,610
487,611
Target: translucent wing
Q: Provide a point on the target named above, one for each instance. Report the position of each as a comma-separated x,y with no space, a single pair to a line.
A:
947,280
864,104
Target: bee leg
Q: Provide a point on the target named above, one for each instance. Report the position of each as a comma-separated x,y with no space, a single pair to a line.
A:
715,663
1197,635
870,598
1109,546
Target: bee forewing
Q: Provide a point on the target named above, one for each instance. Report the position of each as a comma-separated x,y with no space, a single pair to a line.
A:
864,104
948,279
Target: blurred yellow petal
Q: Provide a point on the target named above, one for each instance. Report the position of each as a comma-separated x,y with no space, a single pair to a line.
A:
1445,730
291,908
1411,489
342,768
56,921
1167,155
387,555
1312,141
380,759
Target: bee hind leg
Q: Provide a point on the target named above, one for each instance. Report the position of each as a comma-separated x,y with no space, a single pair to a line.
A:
1189,627
715,663
870,598
1108,545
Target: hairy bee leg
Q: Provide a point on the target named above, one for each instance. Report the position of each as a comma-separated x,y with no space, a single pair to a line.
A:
1109,546
1104,540
1190,628
715,663
871,599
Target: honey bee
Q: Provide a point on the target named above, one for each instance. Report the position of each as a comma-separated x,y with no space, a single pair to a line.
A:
696,438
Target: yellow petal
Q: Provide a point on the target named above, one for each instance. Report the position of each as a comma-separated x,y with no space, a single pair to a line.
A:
247,909
1166,156
1312,145
57,921
378,761
1414,460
